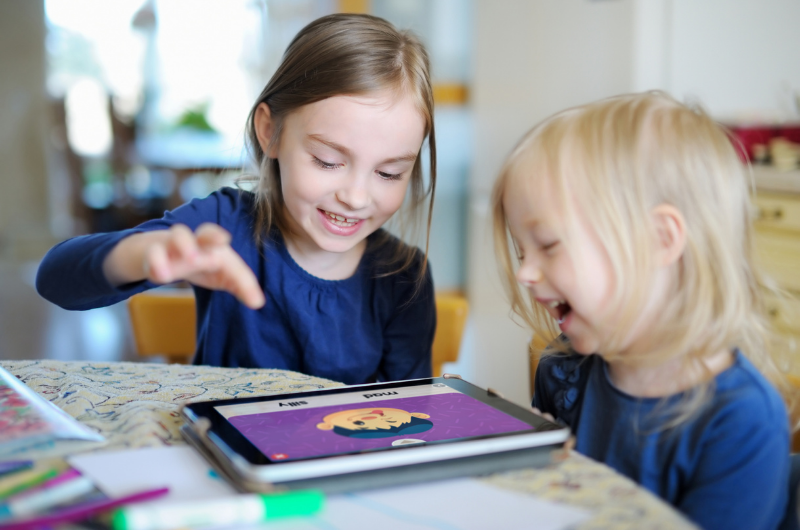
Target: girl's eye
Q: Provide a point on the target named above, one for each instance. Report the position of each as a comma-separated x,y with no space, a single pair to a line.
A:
325,165
390,176
550,246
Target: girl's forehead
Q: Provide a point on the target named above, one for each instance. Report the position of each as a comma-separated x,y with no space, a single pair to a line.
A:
382,101
385,98
377,127
528,185
532,198
370,108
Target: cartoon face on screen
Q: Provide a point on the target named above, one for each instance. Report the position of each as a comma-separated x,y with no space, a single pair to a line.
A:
375,423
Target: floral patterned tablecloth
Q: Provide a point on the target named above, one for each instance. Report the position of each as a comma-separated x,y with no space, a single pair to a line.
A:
136,405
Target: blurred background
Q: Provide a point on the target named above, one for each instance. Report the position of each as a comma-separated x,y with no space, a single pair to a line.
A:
112,111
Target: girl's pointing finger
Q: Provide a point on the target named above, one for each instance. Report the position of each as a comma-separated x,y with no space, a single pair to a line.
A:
240,281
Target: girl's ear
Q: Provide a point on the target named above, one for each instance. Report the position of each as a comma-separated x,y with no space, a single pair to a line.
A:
264,128
670,232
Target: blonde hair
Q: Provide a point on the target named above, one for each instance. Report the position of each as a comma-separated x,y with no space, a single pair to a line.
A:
616,160
344,54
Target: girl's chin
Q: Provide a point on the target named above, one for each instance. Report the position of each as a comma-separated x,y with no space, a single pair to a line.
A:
582,349
337,244
583,345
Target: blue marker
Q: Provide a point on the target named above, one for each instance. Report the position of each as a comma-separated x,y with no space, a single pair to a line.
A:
12,467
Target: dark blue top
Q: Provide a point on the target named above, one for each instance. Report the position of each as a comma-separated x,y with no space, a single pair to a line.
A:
361,329
726,467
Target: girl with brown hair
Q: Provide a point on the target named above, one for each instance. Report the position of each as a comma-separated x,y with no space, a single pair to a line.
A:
299,273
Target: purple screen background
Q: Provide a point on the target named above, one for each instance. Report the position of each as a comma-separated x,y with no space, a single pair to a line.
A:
295,434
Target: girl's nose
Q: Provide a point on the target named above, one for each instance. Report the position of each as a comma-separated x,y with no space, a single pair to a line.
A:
355,196
529,275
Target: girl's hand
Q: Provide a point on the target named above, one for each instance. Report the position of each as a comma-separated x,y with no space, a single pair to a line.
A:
545,415
203,258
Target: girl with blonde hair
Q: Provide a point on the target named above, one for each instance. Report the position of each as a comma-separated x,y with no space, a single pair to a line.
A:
627,221
298,274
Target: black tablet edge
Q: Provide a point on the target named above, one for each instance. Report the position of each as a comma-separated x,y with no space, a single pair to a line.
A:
238,443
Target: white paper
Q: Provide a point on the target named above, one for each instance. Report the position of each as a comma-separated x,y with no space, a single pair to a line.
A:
180,468
463,504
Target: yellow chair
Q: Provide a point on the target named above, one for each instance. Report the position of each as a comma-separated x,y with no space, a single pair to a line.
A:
535,348
451,316
164,322
794,381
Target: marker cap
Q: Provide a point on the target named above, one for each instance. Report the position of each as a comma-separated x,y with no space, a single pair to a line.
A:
292,503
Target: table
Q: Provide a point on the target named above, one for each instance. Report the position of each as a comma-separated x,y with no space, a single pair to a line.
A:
136,405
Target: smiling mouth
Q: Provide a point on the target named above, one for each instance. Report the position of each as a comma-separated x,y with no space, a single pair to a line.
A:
561,308
339,220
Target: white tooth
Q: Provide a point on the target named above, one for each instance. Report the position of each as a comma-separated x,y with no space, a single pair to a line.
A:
351,220
339,217
554,304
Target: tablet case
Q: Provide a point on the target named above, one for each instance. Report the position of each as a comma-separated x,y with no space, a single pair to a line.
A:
198,436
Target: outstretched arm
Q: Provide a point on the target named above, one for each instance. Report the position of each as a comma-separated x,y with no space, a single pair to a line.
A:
81,273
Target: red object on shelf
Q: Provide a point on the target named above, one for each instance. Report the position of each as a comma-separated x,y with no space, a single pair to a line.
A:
791,132
745,137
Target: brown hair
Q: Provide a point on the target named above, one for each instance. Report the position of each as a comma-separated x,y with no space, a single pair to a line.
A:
343,54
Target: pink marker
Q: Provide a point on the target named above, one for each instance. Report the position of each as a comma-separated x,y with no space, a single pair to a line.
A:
82,511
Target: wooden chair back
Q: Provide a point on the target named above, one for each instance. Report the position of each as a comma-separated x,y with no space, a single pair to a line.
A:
794,381
164,322
451,318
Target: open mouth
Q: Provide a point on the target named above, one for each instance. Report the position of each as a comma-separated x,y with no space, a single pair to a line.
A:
340,220
561,310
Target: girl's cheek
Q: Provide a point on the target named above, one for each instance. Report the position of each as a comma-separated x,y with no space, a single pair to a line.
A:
393,198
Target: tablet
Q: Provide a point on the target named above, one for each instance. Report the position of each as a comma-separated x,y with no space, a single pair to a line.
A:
368,435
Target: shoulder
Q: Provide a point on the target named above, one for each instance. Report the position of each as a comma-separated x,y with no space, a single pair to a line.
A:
225,200
743,394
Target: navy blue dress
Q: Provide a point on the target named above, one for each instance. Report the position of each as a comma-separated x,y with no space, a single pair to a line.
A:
362,329
726,467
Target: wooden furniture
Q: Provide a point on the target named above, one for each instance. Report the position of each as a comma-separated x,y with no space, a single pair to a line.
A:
136,405
451,317
535,349
777,225
164,322
777,235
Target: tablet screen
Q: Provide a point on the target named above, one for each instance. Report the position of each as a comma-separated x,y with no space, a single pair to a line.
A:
352,422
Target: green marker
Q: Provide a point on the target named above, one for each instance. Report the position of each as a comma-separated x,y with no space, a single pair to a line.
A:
25,480
235,510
